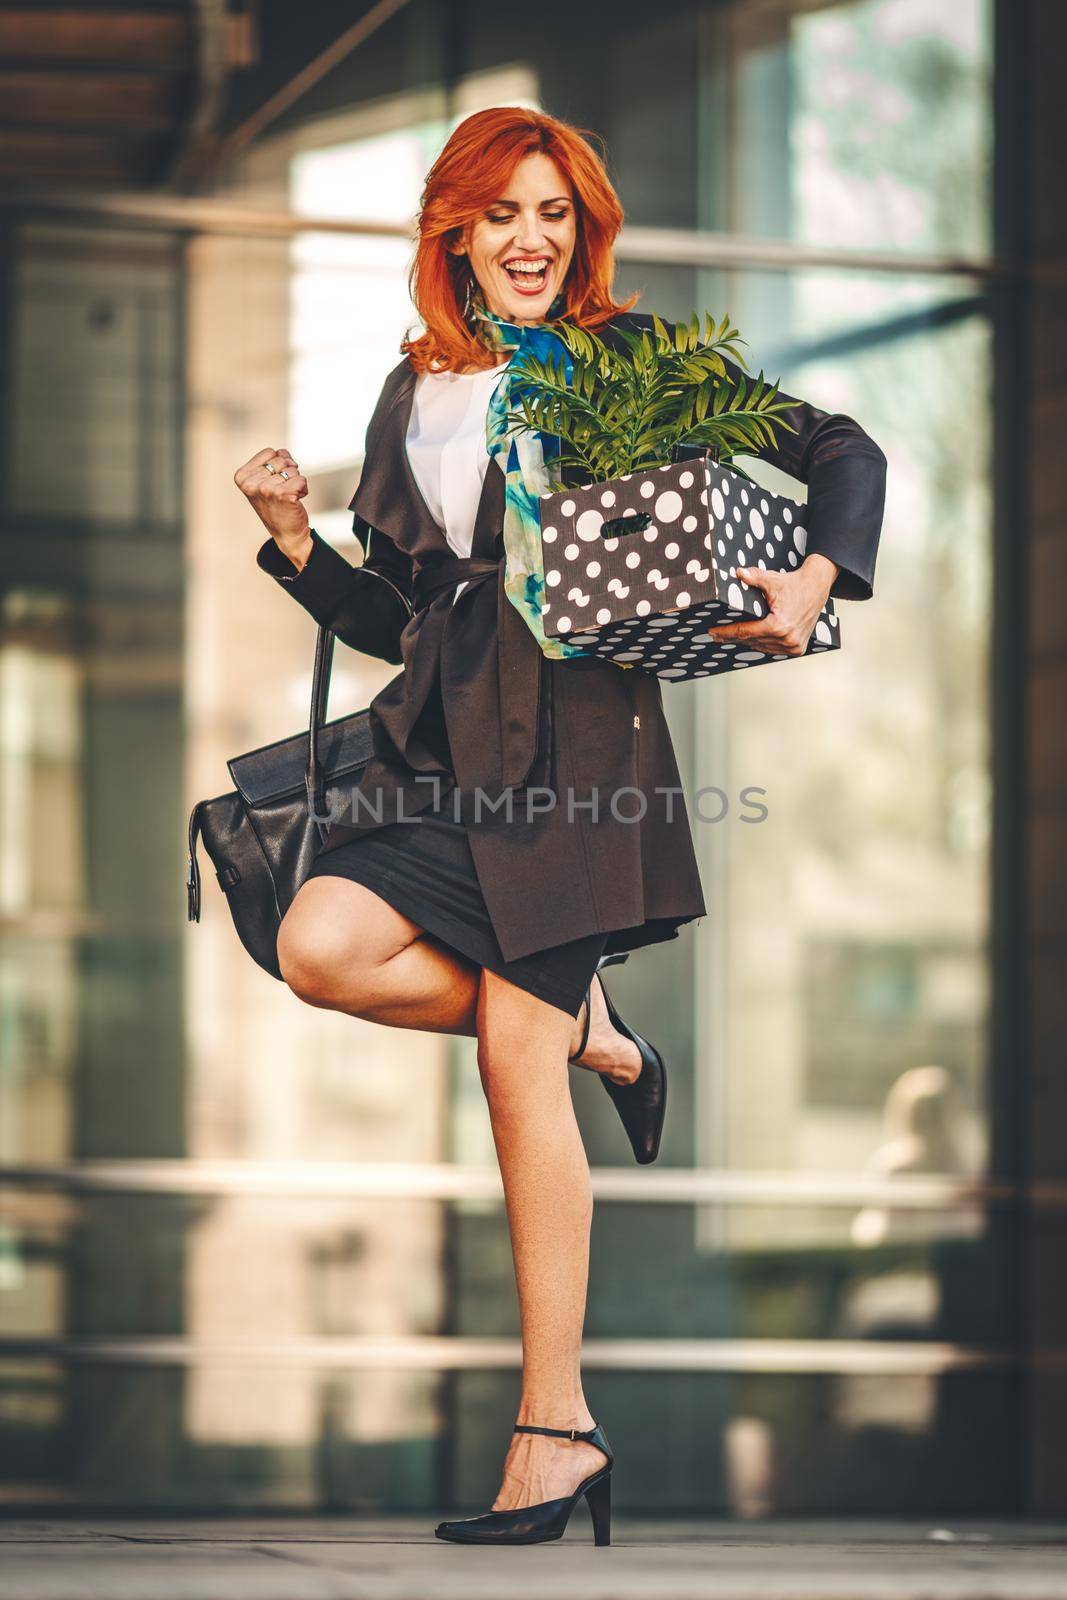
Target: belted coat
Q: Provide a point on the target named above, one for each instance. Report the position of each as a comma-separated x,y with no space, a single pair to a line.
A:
564,771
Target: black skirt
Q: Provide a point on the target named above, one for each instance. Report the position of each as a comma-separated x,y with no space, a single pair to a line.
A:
425,870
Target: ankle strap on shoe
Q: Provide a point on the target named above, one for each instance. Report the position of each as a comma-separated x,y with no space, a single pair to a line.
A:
558,1433
573,1060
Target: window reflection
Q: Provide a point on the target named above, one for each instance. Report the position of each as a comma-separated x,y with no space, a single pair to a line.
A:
857,953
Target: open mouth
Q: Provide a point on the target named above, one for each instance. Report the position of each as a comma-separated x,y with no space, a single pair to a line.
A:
529,277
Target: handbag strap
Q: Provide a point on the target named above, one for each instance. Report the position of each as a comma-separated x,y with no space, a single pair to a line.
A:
320,694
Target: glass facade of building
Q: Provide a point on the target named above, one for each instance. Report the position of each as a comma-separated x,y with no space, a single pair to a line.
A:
254,1254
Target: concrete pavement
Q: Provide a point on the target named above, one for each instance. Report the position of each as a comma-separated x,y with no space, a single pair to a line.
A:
96,1557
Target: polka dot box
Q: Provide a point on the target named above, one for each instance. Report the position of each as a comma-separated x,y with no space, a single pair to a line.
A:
645,594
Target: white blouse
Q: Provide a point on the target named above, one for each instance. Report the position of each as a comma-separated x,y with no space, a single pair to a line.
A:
447,451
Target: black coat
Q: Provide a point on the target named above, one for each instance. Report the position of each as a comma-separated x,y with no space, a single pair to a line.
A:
588,732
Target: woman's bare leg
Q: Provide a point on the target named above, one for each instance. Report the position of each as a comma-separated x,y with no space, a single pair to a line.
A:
522,1059
343,947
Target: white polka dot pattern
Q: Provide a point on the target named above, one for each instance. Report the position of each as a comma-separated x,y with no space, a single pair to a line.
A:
645,597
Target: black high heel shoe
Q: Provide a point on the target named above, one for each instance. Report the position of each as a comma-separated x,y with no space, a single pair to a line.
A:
548,1519
642,1104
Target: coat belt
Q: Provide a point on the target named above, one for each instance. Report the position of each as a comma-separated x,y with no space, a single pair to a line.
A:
444,572
491,673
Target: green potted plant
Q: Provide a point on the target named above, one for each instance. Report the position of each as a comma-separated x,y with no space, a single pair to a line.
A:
648,516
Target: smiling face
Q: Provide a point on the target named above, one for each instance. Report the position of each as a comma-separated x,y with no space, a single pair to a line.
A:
520,246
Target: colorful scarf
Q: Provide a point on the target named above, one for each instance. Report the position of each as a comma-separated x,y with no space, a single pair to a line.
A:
522,457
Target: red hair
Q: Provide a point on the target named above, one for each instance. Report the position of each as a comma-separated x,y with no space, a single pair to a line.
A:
471,171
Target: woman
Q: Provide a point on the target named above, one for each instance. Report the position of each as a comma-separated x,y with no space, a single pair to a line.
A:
493,919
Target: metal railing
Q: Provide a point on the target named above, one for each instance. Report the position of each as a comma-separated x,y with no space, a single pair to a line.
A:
650,246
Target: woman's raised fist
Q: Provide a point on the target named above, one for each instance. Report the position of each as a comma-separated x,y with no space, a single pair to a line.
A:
276,500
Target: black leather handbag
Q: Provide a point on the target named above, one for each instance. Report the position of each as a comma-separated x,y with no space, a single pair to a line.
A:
264,835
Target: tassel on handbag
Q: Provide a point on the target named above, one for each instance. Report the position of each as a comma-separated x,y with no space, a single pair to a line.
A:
263,836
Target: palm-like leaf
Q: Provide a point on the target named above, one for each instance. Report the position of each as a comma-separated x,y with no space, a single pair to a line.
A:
625,410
